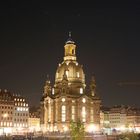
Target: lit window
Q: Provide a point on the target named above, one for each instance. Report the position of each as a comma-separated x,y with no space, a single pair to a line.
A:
83,113
73,101
49,101
49,112
4,123
53,91
7,123
15,99
91,114
81,90
23,100
78,75
73,113
57,75
63,113
20,99
63,99
67,73
26,104
83,100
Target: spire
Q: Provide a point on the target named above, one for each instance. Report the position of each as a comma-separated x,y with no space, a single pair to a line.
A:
69,34
48,79
92,85
69,40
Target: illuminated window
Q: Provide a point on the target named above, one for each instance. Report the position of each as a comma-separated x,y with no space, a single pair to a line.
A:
49,113
53,91
73,101
83,100
15,99
20,99
78,75
7,123
57,75
83,114
49,101
81,90
63,99
23,100
63,113
67,73
91,114
73,113
4,123
26,104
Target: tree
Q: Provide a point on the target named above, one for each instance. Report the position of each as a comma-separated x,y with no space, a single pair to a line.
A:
77,130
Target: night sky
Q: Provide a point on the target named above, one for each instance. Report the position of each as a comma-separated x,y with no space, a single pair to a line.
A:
107,35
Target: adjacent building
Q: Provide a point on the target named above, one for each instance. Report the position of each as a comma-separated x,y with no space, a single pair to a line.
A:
14,112
69,99
120,118
21,113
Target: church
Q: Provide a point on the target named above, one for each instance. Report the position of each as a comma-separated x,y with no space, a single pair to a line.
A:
69,99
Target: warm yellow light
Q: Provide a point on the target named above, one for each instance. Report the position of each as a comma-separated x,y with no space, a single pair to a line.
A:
92,128
63,99
5,115
65,128
83,100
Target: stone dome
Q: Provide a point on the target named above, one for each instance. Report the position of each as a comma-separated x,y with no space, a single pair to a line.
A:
73,70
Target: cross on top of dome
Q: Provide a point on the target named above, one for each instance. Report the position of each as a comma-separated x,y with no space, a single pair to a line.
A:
69,40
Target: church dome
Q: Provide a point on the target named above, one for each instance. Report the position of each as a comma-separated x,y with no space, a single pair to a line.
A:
73,70
70,67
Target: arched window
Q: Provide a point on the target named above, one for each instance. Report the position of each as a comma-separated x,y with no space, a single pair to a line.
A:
78,75
81,90
63,113
52,91
67,73
73,113
84,114
91,114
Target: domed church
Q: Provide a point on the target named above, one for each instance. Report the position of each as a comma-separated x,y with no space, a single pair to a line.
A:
69,99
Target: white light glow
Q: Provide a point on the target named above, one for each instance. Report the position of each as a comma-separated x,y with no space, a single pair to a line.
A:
83,100
63,99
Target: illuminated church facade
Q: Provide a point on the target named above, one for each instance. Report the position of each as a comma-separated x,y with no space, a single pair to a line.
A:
69,99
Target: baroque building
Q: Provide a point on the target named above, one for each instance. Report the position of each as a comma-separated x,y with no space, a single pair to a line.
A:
69,99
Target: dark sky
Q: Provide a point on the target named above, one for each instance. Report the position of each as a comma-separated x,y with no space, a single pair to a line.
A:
107,35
